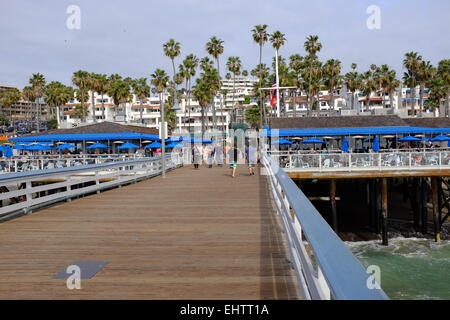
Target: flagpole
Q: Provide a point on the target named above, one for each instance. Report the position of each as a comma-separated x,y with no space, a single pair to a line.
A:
277,81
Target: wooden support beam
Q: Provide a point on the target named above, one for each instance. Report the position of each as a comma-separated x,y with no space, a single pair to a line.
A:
378,218
423,205
384,211
373,205
415,202
405,189
333,204
434,199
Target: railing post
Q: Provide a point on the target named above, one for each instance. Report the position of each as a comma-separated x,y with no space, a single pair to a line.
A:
410,159
320,162
440,160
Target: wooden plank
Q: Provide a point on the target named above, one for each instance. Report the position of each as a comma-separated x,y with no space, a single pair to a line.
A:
197,234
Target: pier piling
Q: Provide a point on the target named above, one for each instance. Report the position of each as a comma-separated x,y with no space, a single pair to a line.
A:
333,204
436,207
384,208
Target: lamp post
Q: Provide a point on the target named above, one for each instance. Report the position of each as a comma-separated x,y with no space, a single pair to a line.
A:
162,134
278,85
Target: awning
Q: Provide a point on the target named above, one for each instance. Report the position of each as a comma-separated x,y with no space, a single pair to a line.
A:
351,131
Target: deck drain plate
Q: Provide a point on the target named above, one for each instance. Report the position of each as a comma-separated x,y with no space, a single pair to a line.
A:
88,269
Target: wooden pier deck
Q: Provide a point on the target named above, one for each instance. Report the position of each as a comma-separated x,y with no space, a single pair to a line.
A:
198,234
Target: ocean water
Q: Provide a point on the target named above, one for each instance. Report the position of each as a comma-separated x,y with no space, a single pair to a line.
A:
411,268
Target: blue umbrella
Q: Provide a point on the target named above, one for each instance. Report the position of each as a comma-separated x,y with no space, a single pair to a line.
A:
8,152
376,144
344,145
409,138
128,145
282,141
97,145
66,146
313,140
155,144
175,145
441,138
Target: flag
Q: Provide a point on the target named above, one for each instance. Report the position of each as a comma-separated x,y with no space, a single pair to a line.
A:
273,95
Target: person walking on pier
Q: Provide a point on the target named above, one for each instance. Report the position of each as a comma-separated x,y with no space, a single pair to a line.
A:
251,157
197,156
233,155
218,154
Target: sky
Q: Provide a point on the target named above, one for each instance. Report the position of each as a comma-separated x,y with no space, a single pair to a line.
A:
126,37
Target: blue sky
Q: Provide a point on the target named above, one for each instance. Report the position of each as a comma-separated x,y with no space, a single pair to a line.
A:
126,37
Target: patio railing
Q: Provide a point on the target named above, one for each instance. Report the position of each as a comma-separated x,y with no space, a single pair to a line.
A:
363,161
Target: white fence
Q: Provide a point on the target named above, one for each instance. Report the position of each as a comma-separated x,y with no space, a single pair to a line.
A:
22,192
28,163
292,161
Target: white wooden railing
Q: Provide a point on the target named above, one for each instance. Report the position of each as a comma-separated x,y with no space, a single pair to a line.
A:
294,162
23,191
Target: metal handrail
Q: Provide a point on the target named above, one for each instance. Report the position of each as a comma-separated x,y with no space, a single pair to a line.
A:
338,270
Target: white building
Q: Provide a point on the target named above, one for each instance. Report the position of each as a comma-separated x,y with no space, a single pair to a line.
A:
147,113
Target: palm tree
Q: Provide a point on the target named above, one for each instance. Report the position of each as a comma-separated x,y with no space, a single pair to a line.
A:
81,79
368,86
260,36
262,72
8,98
28,94
277,39
92,79
37,82
234,66
142,90
101,85
412,62
159,81
332,72
205,89
391,83
425,74
172,50
252,116
119,91
353,83
187,70
443,73
296,65
215,48
57,95
312,46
